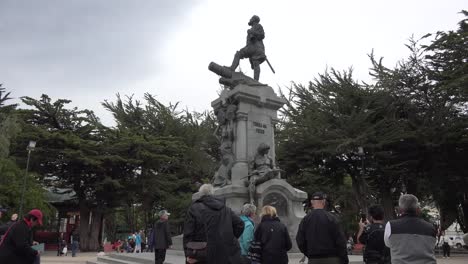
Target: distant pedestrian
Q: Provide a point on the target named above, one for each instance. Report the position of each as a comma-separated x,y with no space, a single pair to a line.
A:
137,243
445,247
15,247
320,237
371,234
245,240
162,237
75,242
411,239
131,243
273,237
143,240
64,250
150,246
4,228
211,231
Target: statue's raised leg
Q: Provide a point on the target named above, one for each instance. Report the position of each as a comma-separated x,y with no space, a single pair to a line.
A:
256,69
235,61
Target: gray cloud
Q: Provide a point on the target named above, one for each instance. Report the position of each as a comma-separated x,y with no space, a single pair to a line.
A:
88,50
82,47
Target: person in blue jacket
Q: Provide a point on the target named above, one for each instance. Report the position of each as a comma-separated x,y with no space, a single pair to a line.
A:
248,213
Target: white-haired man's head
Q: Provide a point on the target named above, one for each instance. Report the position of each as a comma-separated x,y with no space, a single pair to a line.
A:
249,210
206,189
408,203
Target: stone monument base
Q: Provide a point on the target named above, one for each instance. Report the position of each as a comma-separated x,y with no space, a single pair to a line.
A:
287,200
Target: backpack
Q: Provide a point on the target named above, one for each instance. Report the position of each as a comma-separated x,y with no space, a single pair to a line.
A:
379,251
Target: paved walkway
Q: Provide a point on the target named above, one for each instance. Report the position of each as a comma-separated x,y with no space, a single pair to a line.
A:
50,257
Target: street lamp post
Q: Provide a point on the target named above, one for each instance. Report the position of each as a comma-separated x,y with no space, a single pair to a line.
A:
31,146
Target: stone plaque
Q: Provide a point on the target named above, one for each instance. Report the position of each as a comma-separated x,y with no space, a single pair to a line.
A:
259,130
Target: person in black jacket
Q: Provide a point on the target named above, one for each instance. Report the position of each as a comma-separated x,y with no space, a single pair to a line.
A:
320,237
15,247
210,220
274,237
371,234
162,237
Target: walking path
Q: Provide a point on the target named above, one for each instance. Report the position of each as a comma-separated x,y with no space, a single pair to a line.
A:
50,257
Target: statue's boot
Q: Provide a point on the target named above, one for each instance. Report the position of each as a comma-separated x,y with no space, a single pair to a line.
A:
235,61
257,72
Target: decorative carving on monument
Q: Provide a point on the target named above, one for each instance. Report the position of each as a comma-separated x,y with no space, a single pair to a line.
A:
278,201
225,116
261,169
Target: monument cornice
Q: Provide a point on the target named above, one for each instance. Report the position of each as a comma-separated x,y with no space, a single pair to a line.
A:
262,96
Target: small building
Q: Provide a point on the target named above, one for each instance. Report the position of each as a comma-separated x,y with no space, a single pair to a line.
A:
67,218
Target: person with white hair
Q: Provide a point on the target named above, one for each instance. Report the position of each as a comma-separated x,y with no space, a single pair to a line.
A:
211,230
410,238
248,213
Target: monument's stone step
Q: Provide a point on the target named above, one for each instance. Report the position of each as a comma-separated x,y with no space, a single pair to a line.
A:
143,258
111,260
172,257
177,256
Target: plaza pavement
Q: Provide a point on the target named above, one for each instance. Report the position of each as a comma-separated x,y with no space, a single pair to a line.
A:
175,258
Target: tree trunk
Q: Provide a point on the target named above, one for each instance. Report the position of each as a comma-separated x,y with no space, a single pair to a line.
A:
359,191
387,203
90,227
463,221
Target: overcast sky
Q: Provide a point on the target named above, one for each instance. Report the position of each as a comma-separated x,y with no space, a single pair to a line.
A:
89,50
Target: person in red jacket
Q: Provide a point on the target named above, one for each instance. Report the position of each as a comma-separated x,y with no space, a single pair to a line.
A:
15,247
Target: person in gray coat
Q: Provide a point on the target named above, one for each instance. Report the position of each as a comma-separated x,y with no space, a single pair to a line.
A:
162,237
410,238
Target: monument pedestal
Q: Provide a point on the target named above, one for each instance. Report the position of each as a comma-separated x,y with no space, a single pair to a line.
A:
247,115
254,123
287,200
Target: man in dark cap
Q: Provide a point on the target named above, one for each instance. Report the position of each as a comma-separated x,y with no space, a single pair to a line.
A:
15,247
254,49
320,237
162,237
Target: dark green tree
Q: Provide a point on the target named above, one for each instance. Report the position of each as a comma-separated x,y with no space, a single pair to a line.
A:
11,175
68,155
169,153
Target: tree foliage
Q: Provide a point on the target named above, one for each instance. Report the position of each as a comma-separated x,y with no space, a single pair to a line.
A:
12,175
405,132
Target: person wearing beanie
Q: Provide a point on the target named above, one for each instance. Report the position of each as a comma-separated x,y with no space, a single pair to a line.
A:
15,247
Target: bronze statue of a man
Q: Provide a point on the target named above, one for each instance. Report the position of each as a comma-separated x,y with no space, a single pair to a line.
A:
254,50
262,169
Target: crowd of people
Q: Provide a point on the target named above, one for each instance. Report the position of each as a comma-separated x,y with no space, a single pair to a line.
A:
213,233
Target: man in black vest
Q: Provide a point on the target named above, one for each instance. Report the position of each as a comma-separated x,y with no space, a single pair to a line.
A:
371,234
410,238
